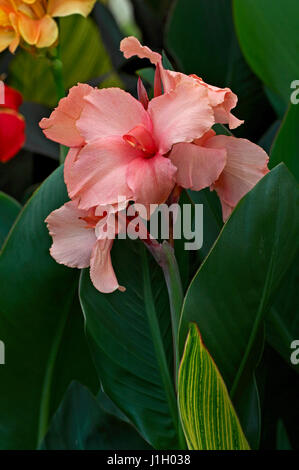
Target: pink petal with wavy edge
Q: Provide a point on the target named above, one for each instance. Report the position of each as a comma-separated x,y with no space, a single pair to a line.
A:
131,46
72,241
109,112
151,180
198,167
98,176
61,125
181,115
246,165
102,273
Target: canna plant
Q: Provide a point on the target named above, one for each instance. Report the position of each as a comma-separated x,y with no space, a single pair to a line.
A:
143,344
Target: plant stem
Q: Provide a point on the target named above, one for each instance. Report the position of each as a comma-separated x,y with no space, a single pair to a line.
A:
160,351
57,71
175,292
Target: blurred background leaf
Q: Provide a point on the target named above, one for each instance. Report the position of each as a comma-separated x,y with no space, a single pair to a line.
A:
201,37
268,35
84,58
286,145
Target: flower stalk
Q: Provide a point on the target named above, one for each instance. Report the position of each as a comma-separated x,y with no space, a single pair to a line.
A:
57,71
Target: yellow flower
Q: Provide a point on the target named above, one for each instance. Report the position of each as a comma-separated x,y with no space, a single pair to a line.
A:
32,20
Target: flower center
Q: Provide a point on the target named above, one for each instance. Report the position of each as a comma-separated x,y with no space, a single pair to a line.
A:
141,139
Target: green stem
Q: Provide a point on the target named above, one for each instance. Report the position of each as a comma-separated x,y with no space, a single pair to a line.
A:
57,71
160,351
175,292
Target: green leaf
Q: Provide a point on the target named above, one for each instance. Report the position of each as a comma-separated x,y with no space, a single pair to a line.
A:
282,325
268,34
81,62
234,287
282,439
201,37
207,413
81,423
41,324
9,209
130,338
255,248
286,145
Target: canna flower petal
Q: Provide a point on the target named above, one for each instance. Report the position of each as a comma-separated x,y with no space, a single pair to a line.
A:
198,167
99,174
222,100
12,98
109,112
101,270
12,124
151,180
73,242
70,7
131,47
246,165
71,157
6,39
61,125
41,32
182,115
12,134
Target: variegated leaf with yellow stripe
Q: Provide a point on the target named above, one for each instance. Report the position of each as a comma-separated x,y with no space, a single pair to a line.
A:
207,413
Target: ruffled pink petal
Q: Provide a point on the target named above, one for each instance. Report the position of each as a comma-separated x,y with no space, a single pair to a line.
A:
246,165
101,270
198,167
98,176
131,46
61,125
223,100
181,115
109,112
71,157
151,179
72,240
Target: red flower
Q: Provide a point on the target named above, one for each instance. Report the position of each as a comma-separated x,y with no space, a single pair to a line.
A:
12,124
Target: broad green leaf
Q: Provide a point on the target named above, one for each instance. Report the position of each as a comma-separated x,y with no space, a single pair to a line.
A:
207,413
126,332
201,37
268,35
234,287
81,423
41,324
286,145
9,209
268,138
282,325
282,439
81,62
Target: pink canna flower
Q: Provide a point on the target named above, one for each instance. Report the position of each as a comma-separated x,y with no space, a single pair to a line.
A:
222,100
120,146
232,166
81,238
245,164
